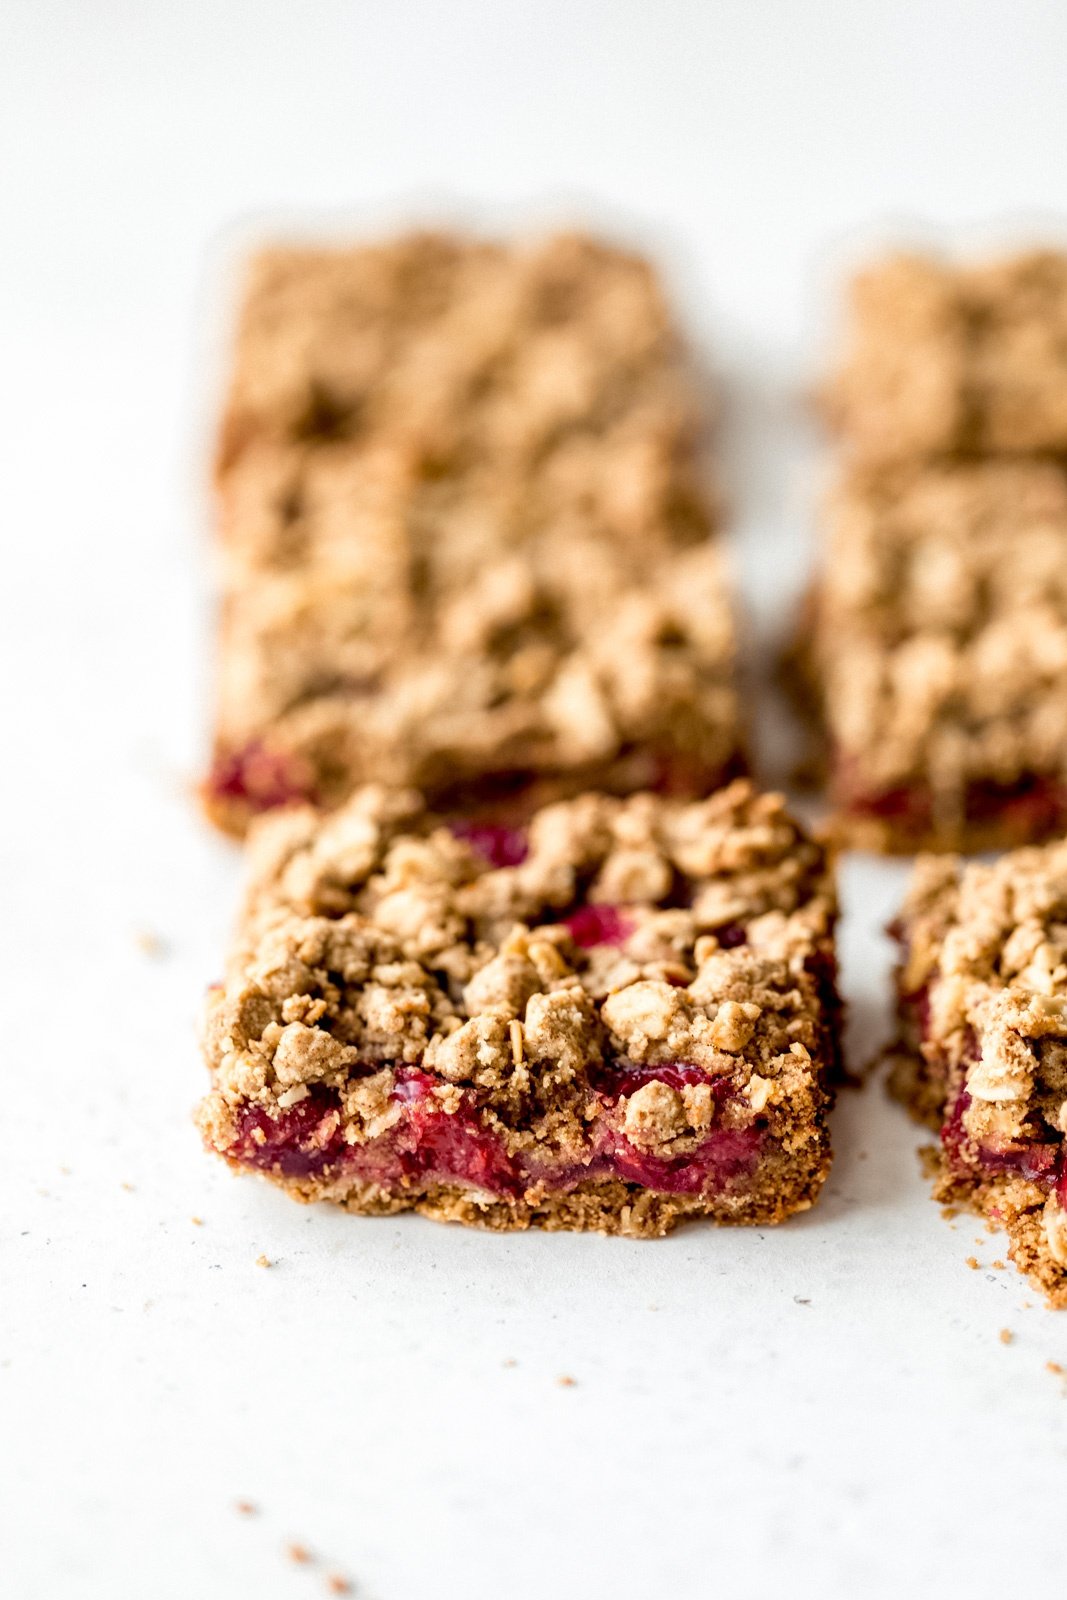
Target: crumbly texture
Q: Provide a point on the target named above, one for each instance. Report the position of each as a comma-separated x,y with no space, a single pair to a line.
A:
465,532
982,989
937,649
633,1022
943,359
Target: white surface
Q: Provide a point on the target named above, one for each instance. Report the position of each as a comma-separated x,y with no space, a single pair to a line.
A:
822,1410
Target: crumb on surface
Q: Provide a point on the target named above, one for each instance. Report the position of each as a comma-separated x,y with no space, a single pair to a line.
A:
998,1265
567,1382
337,1583
1006,1336
197,1222
299,1553
972,1262
1055,1367
129,1187
246,1508
150,944
262,1261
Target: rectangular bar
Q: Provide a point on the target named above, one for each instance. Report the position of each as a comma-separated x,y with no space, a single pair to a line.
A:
937,650
982,996
619,1017
465,533
943,359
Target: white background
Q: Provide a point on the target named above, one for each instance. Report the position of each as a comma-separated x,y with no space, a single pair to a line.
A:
822,1410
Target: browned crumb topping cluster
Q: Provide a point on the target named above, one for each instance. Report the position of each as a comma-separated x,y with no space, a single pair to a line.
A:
381,626
465,527
470,350
941,637
375,939
984,986
944,359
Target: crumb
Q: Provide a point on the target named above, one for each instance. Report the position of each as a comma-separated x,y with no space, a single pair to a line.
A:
1006,1336
245,1507
998,1265
150,944
298,1553
65,1171
262,1261
949,1212
511,1362
337,1583
129,1188
972,1262
1055,1368
197,1222
566,1383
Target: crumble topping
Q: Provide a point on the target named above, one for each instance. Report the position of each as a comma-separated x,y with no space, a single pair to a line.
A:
377,942
467,347
941,637
945,359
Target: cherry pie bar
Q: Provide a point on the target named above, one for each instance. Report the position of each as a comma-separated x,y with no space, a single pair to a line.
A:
937,650
982,991
948,360
465,534
619,1016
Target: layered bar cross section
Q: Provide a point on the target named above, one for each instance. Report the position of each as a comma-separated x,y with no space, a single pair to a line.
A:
465,533
982,992
617,1017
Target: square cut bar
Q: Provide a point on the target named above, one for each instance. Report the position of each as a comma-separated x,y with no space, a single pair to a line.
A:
946,360
982,992
616,1018
465,533
936,648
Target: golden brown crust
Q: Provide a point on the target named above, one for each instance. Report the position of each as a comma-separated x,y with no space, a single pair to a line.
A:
939,653
983,994
946,360
650,975
464,532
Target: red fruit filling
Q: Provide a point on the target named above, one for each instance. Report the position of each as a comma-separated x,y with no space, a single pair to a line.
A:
1030,807
500,846
593,925
431,1145
259,778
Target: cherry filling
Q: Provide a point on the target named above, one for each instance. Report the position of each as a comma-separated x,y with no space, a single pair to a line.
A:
598,924
499,846
1031,806
259,778
431,1145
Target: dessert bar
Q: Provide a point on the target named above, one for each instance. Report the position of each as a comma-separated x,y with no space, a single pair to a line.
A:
465,533
945,359
936,647
618,1016
982,991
